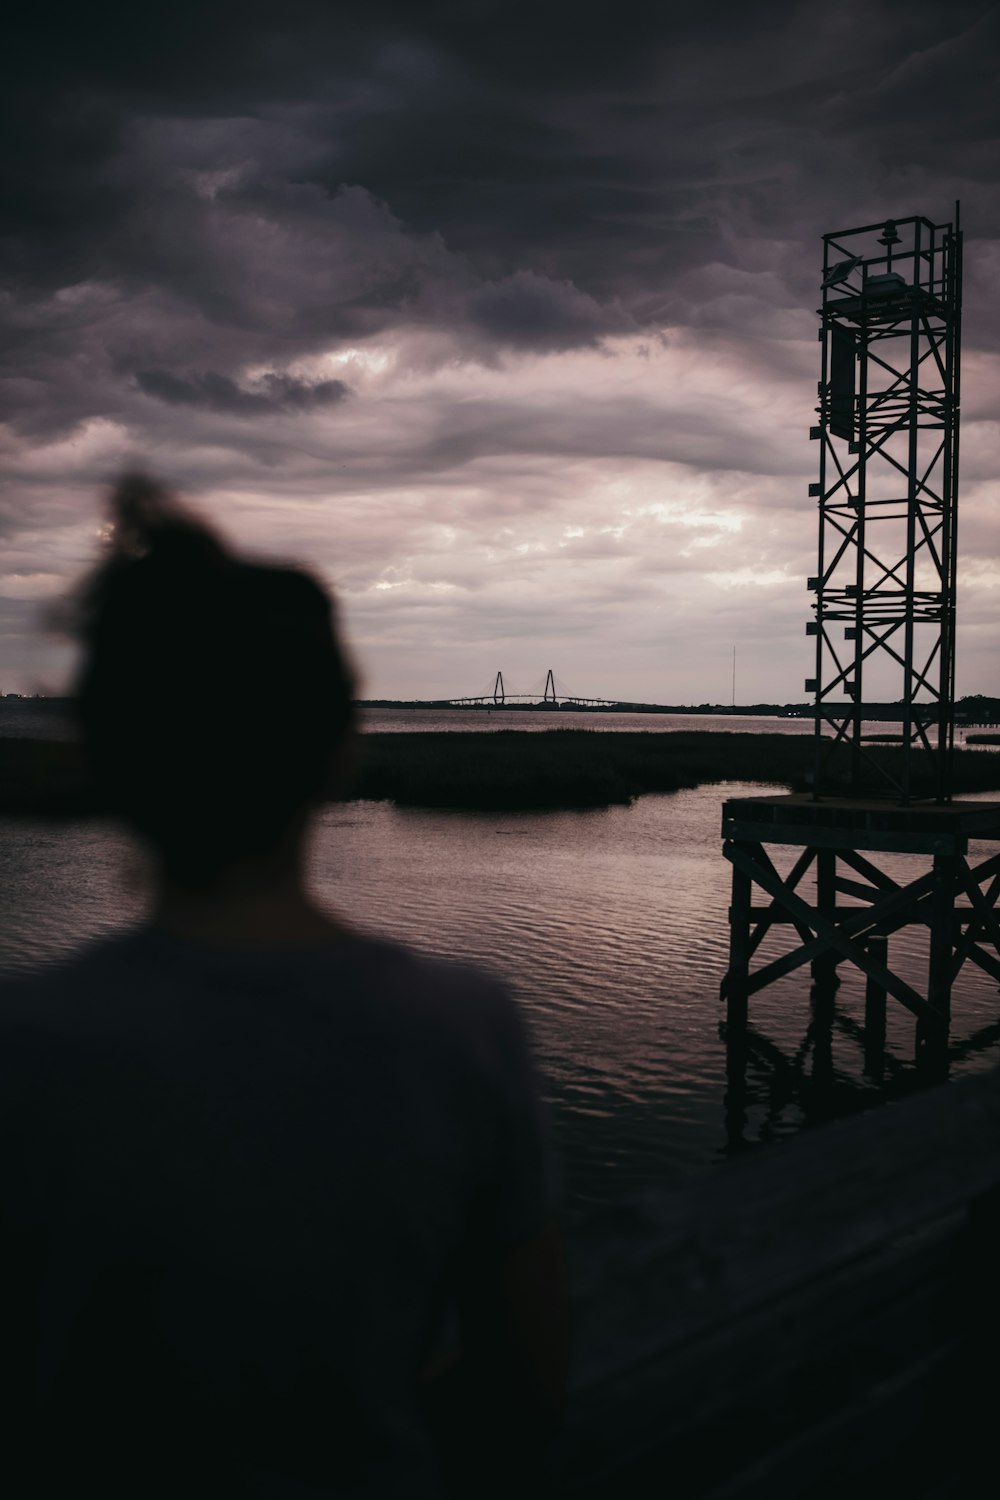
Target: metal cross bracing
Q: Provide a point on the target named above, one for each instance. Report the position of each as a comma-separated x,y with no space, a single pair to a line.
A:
887,492
838,905
885,632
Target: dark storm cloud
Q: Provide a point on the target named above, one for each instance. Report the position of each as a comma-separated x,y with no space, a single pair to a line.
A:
219,393
612,153
526,311
261,181
212,215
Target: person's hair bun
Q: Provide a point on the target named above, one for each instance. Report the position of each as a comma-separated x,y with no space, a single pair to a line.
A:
148,521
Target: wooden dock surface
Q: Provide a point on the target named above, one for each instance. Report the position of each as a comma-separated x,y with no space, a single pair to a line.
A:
806,1321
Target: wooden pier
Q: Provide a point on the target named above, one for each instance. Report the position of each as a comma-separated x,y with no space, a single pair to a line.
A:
837,904
815,1320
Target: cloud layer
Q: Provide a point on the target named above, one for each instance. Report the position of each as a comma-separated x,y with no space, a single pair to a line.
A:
501,317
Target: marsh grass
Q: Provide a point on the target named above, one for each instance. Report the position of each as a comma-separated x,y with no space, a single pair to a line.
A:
511,770
507,770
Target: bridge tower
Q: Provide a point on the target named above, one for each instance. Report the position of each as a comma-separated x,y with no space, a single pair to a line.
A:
498,694
550,683
888,490
884,627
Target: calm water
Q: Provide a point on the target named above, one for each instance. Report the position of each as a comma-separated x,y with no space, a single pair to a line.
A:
611,927
42,717
394,720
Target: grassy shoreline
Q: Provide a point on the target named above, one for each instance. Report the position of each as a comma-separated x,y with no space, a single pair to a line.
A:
505,770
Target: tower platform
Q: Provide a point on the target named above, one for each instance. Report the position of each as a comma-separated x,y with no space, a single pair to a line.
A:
859,823
840,905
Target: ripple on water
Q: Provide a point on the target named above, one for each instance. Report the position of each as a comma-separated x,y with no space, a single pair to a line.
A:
609,925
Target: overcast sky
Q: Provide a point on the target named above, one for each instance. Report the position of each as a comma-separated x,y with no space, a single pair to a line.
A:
500,315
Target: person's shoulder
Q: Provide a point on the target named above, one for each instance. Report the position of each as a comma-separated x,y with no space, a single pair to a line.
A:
441,975
449,995
436,983
33,997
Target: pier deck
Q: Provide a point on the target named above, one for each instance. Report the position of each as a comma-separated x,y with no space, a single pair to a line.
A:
840,905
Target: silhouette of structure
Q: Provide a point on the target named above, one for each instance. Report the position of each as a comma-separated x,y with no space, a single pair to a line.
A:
887,492
500,698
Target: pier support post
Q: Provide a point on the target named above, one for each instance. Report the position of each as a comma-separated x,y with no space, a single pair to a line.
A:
859,902
942,905
735,983
932,1039
878,949
822,1006
824,965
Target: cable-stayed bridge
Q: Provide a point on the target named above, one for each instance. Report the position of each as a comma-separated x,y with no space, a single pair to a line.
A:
550,691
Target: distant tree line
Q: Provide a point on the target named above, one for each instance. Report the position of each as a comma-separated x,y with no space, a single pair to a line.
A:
977,708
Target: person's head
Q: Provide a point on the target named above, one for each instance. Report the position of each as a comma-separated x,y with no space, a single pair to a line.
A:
213,695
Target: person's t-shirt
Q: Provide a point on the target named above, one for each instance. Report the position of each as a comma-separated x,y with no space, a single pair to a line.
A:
237,1192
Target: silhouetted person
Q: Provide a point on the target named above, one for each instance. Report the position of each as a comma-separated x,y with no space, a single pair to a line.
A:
253,1164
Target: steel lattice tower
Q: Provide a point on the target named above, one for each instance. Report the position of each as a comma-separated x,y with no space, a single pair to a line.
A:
888,489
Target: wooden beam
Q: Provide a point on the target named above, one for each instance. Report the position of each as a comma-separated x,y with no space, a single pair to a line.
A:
841,839
768,917
832,936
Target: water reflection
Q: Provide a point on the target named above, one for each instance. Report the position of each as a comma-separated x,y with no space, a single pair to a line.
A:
611,926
